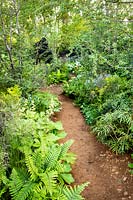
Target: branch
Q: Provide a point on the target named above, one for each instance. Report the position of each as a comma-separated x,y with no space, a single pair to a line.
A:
8,47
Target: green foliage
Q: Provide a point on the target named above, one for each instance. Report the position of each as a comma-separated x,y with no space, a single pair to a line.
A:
59,74
43,102
106,104
32,78
57,77
101,86
76,87
130,165
90,112
12,96
114,129
20,185
33,163
74,193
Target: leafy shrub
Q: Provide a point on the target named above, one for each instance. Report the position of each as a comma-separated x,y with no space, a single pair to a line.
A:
112,85
103,85
59,73
43,101
117,101
77,87
90,112
29,77
9,103
57,77
105,102
40,162
32,78
114,129
12,95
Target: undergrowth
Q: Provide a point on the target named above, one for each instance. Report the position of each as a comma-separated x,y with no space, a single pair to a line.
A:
33,164
106,104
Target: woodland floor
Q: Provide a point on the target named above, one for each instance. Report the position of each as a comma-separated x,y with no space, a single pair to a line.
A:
107,172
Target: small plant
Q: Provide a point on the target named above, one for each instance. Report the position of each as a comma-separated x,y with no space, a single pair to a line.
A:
114,129
43,102
58,76
90,112
130,165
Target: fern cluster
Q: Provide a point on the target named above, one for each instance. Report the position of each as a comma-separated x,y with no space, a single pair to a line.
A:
114,129
33,164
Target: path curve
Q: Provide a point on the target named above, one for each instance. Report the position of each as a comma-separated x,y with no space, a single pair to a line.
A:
107,173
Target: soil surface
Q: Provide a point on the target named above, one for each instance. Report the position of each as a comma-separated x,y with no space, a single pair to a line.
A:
107,172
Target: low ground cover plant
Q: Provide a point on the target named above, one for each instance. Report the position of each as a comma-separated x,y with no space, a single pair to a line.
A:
33,164
42,102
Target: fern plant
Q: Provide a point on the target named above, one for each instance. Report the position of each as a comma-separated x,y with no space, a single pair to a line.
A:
74,193
114,129
43,175
38,167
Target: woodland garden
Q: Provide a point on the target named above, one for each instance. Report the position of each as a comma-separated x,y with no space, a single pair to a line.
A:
86,47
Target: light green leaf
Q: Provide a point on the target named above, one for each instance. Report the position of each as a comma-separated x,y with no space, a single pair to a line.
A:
68,178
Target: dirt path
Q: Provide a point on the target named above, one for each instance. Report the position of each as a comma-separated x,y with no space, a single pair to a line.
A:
107,173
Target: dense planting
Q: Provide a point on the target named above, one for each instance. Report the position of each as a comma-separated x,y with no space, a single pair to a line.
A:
33,163
102,83
86,46
107,107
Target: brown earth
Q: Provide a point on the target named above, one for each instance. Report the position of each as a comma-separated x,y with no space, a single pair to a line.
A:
107,172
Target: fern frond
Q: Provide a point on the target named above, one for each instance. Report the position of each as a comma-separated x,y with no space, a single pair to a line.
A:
37,160
18,179
25,191
58,193
51,158
32,169
67,177
59,197
49,178
65,147
4,179
74,193
59,167
20,186
70,158
38,187
3,190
